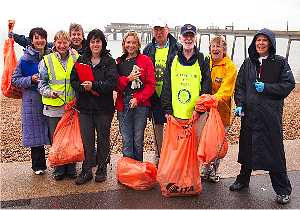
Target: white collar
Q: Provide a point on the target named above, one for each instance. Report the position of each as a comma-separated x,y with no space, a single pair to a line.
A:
261,58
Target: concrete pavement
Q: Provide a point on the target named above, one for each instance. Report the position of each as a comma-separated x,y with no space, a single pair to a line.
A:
21,188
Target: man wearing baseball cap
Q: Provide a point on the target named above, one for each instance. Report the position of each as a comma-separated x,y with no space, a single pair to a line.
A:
188,28
187,77
162,48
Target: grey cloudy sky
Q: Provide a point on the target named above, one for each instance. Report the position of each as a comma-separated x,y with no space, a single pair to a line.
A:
58,14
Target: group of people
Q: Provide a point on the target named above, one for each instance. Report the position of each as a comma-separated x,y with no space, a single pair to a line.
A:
166,78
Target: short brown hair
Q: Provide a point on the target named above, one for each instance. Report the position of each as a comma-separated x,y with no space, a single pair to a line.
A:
75,27
136,37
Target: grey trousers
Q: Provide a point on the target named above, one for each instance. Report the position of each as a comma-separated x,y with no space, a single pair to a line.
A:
90,124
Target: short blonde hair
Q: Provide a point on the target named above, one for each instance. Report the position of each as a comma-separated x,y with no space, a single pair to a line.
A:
221,41
136,37
62,35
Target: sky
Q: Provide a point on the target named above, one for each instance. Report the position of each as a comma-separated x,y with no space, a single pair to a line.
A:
57,15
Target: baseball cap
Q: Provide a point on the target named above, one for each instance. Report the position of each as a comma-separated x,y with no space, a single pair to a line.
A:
188,28
158,22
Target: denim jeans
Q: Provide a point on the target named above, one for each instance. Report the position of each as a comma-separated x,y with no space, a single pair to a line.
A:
132,123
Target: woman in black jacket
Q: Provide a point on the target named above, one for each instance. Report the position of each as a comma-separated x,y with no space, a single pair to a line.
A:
94,78
263,81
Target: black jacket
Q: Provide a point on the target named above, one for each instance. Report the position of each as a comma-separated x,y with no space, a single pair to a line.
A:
150,50
105,75
261,138
166,96
82,49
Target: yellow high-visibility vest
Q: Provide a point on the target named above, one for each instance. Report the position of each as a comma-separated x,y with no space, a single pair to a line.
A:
161,56
185,85
59,79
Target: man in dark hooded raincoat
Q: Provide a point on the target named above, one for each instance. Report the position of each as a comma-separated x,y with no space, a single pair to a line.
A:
263,81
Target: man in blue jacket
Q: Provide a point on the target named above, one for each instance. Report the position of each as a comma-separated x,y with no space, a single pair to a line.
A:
162,48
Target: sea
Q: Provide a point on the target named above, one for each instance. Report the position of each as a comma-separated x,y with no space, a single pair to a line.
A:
115,47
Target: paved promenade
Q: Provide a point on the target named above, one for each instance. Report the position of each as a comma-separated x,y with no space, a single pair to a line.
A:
20,188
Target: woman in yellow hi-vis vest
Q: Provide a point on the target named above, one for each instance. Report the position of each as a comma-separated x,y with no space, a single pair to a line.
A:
55,88
187,77
223,76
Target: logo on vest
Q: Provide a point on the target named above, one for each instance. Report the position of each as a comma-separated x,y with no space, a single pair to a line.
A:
159,72
173,188
218,80
184,96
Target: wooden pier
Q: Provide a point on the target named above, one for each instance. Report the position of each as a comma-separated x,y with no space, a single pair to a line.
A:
145,31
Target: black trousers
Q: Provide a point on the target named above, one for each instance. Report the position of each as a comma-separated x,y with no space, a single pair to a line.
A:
38,158
101,123
280,180
64,169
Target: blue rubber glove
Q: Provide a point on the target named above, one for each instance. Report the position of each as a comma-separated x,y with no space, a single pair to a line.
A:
238,111
259,86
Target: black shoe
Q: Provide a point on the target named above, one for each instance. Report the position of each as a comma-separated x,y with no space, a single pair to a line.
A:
59,177
237,186
83,178
70,171
100,178
283,199
101,174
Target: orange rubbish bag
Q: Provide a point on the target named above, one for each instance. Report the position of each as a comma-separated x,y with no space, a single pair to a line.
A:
178,169
10,63
212,144
67,144
136,174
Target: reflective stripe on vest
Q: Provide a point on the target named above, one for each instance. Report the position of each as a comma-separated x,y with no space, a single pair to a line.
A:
161,56
185,85
59,79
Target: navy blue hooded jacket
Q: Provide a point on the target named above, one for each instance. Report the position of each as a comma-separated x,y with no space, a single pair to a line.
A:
261,136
